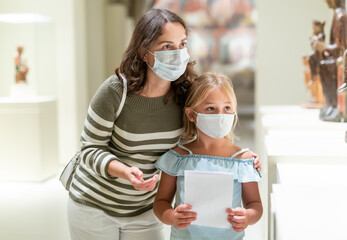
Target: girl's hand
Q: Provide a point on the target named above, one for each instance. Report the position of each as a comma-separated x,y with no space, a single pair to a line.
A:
181,218
134,175
237,217
256,162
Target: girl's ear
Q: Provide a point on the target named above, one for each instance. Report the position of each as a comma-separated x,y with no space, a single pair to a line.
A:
190,114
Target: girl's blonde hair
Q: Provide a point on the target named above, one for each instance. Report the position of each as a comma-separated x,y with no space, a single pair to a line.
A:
197,93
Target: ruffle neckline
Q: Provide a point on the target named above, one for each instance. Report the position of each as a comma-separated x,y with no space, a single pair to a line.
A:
174,164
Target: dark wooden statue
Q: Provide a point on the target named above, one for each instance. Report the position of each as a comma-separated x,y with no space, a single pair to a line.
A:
331,65
311,68
323,63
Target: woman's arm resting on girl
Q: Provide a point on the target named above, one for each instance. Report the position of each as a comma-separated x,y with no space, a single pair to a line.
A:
179,217
256,162
240,217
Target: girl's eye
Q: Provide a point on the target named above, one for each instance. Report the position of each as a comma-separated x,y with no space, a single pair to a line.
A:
210,108
227,108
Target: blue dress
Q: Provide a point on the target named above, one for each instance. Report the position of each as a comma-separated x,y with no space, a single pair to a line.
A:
174,164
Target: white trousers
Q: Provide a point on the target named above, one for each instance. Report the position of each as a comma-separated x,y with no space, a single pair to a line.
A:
87,223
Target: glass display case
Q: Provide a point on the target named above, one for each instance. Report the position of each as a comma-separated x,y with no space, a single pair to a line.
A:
28,110
27,49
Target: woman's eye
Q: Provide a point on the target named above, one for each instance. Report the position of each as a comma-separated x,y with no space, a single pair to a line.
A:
183,45
210,108
166,47
227,108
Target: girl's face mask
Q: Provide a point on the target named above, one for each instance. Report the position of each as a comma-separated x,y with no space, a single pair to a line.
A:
170,65
215,125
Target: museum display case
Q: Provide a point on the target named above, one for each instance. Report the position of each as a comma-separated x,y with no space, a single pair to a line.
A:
28,98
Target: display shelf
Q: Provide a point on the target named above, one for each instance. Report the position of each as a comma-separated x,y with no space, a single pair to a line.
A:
28,138
311,174
301,151
286,109
310,212
295,135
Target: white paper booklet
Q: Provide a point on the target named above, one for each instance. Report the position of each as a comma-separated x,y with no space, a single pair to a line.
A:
210,194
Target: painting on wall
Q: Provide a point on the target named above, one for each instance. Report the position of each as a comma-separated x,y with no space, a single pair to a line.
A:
222,39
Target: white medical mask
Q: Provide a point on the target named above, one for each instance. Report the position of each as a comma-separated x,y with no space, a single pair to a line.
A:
215,125
170,65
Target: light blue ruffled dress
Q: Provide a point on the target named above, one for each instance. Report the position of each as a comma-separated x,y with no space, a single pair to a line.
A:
174,164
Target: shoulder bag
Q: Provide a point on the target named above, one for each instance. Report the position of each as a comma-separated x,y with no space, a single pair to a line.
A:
69,170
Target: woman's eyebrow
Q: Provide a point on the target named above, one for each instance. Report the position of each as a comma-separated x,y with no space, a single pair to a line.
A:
165,42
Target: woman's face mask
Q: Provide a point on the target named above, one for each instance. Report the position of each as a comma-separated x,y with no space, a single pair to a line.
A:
170,65
215,125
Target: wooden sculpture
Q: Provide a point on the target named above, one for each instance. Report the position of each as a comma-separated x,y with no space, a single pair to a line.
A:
323,66
21,68
331,65
311,68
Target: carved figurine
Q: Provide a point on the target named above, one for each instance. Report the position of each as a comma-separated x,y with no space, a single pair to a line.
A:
339,37
311,68
342,92
331,69
323,65
21,68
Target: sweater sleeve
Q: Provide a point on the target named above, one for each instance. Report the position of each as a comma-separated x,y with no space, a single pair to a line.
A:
98,127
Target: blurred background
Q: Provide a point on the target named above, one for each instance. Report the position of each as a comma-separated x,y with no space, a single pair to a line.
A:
71,46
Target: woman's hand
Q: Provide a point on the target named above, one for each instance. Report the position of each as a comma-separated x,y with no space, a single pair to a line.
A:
181,218
256,162
134,175
238,219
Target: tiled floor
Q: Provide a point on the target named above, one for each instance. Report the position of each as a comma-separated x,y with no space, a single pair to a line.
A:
33,211
37,211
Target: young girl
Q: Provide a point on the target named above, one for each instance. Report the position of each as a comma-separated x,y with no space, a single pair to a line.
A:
210,115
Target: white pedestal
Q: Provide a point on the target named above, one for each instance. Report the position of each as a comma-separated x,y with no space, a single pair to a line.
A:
291,134
311,174
306,188
310,212
287,109
28,138
22,90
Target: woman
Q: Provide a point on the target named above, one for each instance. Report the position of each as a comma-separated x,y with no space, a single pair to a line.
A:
112,193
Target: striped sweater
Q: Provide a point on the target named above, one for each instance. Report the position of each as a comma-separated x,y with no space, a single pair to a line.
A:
145,129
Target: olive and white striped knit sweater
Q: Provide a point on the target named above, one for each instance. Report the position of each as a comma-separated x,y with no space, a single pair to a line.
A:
145,129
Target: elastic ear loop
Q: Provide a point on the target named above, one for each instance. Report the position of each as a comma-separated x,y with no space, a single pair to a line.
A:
147,62
195,113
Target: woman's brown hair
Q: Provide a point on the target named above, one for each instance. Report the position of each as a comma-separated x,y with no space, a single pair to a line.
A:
147,30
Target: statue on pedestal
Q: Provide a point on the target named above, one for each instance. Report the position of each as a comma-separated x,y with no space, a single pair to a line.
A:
339,37
331,65
323,66
311,68
21,67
